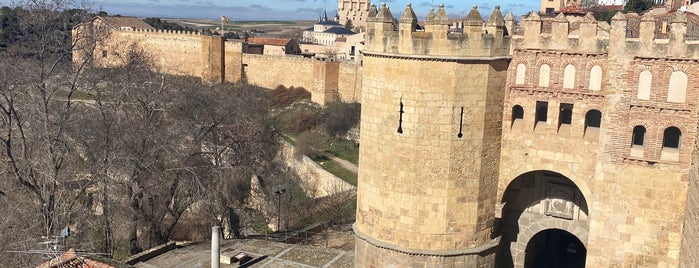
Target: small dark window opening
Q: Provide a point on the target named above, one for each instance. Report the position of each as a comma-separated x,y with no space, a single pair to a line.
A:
671,138
517,114
566,114
593,118
639,135
542,108
104,53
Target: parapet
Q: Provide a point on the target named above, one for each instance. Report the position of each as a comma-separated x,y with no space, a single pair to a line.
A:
655,35
158,31
477,39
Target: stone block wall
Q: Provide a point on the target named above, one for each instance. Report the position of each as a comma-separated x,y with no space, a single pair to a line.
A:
316,181
689,254
272,71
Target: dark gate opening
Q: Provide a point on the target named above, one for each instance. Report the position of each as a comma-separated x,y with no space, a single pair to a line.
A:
555,248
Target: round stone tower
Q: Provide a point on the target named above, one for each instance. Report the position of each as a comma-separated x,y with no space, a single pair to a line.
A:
430,140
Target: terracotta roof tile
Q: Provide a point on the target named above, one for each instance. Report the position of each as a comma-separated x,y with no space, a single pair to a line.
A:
269,41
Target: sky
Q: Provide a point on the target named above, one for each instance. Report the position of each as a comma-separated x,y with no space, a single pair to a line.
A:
291,9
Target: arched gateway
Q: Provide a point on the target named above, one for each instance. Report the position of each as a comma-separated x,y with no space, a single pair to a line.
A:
543,223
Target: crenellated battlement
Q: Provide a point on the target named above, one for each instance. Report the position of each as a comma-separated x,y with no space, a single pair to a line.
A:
674,34
477,39
158,31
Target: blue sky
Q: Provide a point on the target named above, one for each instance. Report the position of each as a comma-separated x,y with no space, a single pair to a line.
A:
289,9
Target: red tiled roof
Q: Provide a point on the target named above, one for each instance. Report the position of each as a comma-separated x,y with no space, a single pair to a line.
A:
269,41
71,259
573,9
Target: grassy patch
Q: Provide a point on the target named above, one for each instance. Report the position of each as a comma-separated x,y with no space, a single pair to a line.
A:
337,170
347,150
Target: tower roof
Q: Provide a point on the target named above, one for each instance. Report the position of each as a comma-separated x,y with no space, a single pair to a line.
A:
474,17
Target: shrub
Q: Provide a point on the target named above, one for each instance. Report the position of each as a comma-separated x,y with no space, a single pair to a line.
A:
300,121
340,117
282,96
309,143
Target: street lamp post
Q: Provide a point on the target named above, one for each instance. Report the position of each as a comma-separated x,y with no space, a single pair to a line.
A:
279,207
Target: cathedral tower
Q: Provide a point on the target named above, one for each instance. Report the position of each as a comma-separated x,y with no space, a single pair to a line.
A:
431,127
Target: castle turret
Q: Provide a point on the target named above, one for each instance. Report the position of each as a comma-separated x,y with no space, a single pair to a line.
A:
430,141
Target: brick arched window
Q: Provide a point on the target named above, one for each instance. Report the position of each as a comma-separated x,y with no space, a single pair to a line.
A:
677,91
596,78
671,138
520,77
569,77
639,136
544,75
644,81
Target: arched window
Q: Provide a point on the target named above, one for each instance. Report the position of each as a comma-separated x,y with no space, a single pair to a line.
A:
644,82
593,118
593,121
677,91
544,75
521,74
671,138
569,77
596,78
671,144
639,136
517,114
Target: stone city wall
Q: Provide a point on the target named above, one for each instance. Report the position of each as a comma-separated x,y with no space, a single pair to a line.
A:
316,181
272,71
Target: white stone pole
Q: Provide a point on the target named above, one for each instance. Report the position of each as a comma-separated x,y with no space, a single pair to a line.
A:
215,258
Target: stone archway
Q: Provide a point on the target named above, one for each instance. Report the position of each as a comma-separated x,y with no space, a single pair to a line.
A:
534,202
555,248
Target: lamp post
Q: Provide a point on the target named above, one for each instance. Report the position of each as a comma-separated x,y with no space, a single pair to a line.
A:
279,207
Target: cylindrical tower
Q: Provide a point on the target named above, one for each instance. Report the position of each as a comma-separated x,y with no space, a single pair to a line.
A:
430,141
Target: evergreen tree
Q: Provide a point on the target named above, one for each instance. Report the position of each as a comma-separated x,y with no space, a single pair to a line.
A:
348,24
638,6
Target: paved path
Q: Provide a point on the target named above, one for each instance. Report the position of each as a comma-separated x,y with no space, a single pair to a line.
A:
344,163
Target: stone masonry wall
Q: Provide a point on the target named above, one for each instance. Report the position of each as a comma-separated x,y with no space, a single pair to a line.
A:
272,71
689,256
316,181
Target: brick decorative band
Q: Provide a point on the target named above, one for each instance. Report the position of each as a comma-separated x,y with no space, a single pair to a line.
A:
436,253
434,58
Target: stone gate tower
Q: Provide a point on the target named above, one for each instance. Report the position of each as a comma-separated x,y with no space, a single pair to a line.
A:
431,127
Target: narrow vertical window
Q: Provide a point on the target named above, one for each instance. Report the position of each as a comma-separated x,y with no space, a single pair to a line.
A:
542,108
644,82
565,115
637,141
569,77
639,136
517,114
544,75
521,74
593,121
596,78
672,137
677,91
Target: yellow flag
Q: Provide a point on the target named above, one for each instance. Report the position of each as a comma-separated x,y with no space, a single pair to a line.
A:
224,19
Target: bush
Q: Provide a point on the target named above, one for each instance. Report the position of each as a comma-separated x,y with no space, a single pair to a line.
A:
282,96
340,117
310,143
300,121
